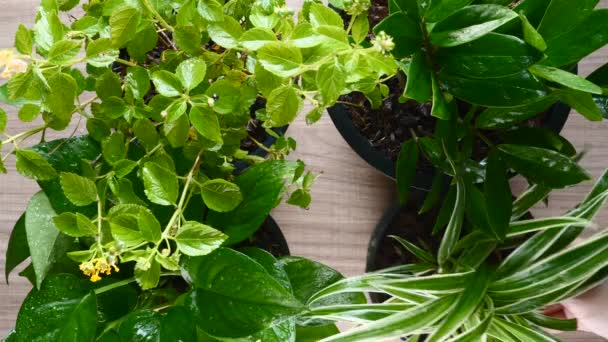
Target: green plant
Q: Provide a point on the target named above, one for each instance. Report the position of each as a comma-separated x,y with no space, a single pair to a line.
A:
174,95
487,288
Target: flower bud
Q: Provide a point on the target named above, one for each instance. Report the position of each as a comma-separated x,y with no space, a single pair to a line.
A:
383,43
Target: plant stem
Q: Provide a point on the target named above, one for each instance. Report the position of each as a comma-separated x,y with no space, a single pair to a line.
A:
24,135
260,145
157,16
125,62
127,282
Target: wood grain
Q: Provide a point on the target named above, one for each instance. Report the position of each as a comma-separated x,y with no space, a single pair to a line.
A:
348,198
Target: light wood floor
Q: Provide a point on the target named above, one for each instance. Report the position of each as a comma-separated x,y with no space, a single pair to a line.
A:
348,199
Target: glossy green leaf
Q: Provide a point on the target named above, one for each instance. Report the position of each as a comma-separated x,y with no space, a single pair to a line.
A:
562,15
360,28
470,23
176,110
113,148
415,250
493,55
531,35
257,37
148,278
79,190
582,102
123,25
323,15
280,58
211,10
565,78
196,239
441,107
452,231
17,250
226,32
406,33
542,166
178,325
188,38
220,195
419,75
32,165
74,224
137,83
283,106
528,226
148,225
141,325
552,323
62,310
439,10
497,192
205,121
494,118
539,137
145,41
235,296
166,83
161,185
509,91
146,134
315,333
177,131
406,168
227,94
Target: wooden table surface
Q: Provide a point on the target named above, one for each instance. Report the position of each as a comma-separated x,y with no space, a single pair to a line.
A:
348,198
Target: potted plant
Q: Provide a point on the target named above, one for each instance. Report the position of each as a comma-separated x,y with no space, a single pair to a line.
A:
496,66
155,206
481,287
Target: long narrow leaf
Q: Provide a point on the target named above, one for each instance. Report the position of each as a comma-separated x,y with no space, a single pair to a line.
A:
528,199
359,313
522,333
476,333
452,231
355,284
415,250
440,283
551,323
534,303
400,324
466,305
528,226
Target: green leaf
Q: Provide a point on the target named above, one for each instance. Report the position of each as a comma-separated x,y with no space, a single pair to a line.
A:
551,323
565,78
124,224
331,81
148,225
257,37
166,83
301,198
304,36
522,333
509,91
60,100
434,284
419,75
406,168
123,25
23,40
539,137
137,84
262,187
470,23
234,295
315,333
74,224
280,58
177,326
141,325
64,50
145,40
439,10
205,121
415,250
161,185
114,108
48,29
441,107
562,15
3,120
493,55
399,324
113,148
582,102
406,33
79,190
322,15
191,72
211,10
28,112
542,166
62,310
360,28
32,165
188,38
569,47
227,94
452,231
476,332
529,226
177,131
196,239
148,278
531,36
17,250
283,106
101,53
494,118
45,242
146,133
176,110
108,85
473,294
498,195
225,33
220,195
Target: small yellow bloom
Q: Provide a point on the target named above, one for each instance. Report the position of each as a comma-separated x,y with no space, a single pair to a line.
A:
96,267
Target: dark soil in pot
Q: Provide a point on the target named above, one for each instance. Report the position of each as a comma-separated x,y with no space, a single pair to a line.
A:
269,238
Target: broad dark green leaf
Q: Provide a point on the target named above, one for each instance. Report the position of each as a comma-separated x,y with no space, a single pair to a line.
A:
79,190
178,325
582,102
441,108
62,310
439,10
565,78
569,47
272,265
406,168
235,296
493,55
146,133
18,249
221,195
406,33
188,38
262,187
140,326
470,23
498,195
114,148
542,166
197,239
419,75
509,91
123,25
161,185
315,333
539,137
494,118
562,15
32,165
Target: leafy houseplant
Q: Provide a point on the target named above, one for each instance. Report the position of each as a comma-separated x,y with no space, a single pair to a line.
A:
485,289
495,65
175,96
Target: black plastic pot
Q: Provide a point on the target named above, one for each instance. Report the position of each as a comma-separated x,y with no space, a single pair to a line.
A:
555,120
268,237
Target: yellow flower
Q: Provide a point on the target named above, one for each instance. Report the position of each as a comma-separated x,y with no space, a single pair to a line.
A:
96,267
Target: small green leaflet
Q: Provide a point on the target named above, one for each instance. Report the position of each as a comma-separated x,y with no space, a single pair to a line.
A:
220,195
79,190
196,239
